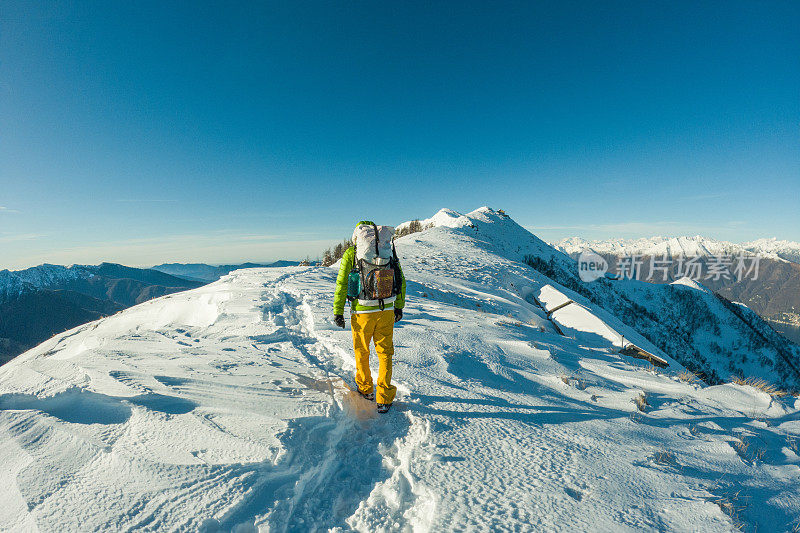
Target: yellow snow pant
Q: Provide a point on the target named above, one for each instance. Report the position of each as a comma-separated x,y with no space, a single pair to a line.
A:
378,326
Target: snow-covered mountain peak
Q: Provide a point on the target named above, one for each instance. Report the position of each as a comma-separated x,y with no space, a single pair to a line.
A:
450,218
492,229
443,218
788,250
13,283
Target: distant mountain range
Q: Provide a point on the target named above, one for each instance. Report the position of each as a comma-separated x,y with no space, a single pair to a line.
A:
774,294
39,302
688,246
209,273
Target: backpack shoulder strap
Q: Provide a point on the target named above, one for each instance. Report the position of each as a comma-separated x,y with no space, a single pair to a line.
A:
398,280
377,251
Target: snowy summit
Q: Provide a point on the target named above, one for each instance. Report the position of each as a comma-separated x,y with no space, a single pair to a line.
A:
523,404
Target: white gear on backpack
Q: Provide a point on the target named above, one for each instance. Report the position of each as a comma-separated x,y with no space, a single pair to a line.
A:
364,237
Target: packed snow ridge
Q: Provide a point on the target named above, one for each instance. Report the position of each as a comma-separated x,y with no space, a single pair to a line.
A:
687,246
229,408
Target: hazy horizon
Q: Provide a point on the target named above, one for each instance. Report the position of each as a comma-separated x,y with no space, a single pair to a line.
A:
294,250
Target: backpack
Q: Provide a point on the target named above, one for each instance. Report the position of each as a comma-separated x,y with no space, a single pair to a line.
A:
375,278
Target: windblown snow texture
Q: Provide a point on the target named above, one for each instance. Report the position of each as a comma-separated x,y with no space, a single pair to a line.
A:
227,408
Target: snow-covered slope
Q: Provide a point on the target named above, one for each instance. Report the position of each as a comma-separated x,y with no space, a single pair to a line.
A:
228,408
687,246
705,333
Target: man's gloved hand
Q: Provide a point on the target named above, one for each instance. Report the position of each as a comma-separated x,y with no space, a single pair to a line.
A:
398,314
339,320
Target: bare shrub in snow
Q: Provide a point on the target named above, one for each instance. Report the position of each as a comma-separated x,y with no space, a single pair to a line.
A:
651,368
730,501
641,402
758,454
579,383
664,458
793,444
741,446
760,384
687,376
731,507
749,452
510,322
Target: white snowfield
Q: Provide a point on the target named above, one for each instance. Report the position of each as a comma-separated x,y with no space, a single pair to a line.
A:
228,408
687,246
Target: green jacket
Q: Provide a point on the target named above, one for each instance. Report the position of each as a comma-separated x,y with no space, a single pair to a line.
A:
340,296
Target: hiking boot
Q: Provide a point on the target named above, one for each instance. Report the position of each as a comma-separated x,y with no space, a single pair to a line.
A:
383,407
368,395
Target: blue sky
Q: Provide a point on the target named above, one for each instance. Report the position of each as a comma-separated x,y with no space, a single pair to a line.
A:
143,132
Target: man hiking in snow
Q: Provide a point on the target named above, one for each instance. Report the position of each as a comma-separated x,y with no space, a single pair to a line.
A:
371,279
